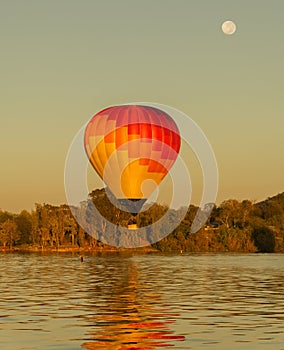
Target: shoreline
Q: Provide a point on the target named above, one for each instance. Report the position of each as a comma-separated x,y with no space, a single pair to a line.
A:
100,250
75,250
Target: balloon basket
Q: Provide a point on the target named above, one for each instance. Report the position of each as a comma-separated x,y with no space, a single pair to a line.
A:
132,227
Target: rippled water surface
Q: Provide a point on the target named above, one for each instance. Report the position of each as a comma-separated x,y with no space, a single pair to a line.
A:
128,301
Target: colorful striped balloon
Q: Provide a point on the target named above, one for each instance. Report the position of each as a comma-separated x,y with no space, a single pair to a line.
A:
130,144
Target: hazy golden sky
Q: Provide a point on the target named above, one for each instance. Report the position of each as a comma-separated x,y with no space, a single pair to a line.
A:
62,61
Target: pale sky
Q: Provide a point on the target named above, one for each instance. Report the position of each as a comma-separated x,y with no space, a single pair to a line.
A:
63,61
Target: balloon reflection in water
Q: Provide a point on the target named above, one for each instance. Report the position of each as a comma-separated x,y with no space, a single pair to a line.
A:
128,320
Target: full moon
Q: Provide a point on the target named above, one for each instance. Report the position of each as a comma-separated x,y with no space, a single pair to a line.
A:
229,27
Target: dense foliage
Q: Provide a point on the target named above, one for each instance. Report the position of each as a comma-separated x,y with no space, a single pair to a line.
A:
234,226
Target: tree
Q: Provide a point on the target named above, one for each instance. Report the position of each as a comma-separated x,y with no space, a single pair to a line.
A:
230,213
9,233
264,239
5,215
24,224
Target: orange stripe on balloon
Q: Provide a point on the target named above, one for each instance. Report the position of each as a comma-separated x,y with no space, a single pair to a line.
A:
121,136
110,138
144,161
156,167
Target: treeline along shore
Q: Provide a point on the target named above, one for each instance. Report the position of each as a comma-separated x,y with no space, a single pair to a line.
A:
234,226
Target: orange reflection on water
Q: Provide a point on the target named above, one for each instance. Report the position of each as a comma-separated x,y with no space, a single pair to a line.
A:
130,320
138,336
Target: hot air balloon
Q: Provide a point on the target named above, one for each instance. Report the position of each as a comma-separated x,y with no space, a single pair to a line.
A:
131,147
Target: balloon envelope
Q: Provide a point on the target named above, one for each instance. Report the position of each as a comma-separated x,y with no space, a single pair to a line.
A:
132,148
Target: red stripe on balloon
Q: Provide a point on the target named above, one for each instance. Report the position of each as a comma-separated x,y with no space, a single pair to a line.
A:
134,129
159,135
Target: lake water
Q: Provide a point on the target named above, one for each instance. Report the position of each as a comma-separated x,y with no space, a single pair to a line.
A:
136,301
